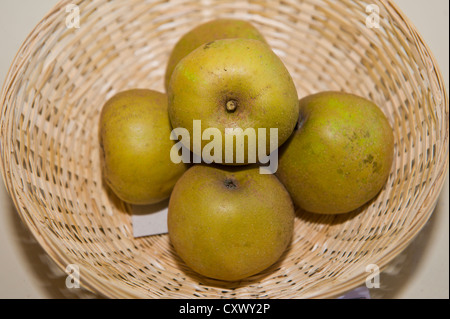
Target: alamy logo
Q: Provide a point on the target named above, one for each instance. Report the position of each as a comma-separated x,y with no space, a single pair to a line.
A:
73,17
373,19
373,280
235,141
73,279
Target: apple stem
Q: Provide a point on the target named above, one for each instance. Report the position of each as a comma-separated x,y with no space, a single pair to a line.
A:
231,106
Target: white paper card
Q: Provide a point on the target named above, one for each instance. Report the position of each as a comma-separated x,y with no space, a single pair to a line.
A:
149,220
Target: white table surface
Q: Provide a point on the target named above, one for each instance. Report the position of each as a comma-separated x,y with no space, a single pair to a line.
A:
421,272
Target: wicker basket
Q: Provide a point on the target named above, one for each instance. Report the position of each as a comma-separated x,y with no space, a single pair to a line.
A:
62,76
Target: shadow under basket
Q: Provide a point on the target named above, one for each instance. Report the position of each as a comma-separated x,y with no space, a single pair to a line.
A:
62,76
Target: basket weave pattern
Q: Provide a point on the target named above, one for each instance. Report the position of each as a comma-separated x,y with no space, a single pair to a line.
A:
61,78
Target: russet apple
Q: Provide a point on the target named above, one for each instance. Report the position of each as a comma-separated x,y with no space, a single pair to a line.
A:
237,85
135,147
229,223
217,29
340,156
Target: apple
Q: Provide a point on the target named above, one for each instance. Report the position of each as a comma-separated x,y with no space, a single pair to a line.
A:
229,223
135,147
239,87
204,33
340,156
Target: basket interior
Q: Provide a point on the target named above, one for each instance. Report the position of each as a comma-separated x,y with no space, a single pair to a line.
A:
62,77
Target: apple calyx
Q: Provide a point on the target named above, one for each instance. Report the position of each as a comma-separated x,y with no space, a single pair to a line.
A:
230,183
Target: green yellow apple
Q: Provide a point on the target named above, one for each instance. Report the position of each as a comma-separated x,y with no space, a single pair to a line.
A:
340,156
135,147
229,223
217,29
234,84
